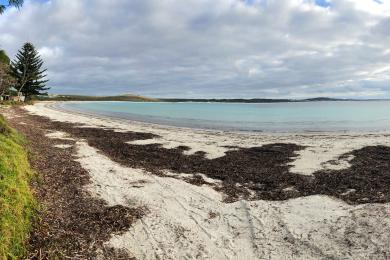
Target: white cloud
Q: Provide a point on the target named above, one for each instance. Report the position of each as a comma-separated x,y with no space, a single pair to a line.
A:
203,48
50,53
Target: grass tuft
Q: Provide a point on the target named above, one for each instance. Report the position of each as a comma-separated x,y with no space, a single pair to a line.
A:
16,200
4,128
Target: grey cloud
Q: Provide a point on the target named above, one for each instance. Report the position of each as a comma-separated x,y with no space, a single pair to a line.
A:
203,48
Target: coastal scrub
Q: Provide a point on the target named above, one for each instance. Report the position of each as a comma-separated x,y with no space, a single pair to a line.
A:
16,199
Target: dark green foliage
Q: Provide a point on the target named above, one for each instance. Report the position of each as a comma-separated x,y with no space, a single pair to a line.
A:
4,58
6,80
16,3
28,72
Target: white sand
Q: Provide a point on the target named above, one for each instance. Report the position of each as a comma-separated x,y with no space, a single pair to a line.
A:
59,135
187,222
63,146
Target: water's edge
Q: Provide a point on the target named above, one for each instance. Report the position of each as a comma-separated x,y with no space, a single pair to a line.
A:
128,111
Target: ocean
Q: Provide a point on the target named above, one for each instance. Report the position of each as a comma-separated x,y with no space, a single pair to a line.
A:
323,116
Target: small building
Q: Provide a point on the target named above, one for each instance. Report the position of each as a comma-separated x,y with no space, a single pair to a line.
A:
18,98
4,97
12,98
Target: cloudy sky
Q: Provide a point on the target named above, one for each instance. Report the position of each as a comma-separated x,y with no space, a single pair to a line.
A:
208,48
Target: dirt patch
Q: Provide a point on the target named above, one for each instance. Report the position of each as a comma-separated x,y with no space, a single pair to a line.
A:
249,173
71,223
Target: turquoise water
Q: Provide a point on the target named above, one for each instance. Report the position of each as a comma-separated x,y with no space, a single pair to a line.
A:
275,117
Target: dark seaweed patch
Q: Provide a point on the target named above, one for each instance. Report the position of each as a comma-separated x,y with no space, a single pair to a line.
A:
366,181
71,223
249,173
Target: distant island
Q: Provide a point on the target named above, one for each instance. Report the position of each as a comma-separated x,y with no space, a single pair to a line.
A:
137,98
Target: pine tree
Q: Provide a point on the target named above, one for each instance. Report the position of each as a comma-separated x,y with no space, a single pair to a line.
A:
28,72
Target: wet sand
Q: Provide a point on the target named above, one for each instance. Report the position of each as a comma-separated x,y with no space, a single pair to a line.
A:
224,195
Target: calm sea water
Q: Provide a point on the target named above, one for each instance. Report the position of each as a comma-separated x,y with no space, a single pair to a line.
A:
337,116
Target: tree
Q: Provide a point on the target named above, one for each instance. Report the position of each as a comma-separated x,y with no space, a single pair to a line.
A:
6,80
15,3
28,72
4,57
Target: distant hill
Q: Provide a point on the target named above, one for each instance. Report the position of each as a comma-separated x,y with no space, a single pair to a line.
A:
136,98
325,99
126,97
254,100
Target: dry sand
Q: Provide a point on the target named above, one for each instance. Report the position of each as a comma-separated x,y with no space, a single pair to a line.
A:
188,222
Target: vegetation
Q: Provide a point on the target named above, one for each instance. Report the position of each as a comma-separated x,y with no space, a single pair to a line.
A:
6,79
253,100
97,98
16,199
28,72
136,98
16,3
4,57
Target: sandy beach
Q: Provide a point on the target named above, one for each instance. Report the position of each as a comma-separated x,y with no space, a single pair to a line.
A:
225,195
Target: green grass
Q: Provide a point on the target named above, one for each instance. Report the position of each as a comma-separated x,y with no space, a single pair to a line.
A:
17,204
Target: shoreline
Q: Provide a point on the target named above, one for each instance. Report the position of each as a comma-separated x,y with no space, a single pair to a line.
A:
303,161
228,195
56,105
322,147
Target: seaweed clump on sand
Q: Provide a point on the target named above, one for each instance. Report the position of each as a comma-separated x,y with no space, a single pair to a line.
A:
248,173
366,181
264,170
257,172
71,222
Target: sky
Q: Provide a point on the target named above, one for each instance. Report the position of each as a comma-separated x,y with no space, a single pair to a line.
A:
208,48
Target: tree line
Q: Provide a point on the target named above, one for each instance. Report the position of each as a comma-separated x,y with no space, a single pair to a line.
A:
25,75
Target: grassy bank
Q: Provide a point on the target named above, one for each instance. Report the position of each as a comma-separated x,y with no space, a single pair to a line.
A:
16,200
